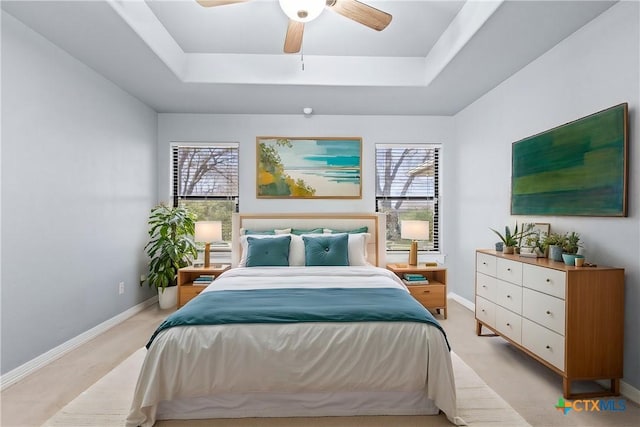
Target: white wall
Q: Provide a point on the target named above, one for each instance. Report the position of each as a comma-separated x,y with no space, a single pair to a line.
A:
78,180
595,68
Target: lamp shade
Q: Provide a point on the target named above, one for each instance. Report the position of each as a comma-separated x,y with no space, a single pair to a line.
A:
208,231
414,230
302,10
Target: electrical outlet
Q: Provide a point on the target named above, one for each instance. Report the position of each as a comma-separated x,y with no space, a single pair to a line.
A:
121,288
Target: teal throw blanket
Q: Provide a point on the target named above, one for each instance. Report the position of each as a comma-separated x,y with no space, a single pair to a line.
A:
300,305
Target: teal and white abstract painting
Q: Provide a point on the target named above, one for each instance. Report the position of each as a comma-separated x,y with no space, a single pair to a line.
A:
309,167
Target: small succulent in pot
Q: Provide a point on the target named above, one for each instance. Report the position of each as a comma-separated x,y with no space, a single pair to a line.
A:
571,243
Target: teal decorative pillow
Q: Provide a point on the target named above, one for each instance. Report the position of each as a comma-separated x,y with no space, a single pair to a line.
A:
262,232
273,252
299,231
326,250
364,229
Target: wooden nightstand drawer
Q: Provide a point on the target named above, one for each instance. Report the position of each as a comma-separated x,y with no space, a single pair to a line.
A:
431,296
187,292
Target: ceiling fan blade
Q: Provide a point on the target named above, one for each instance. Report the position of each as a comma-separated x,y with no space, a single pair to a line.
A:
211,3
362,13
293,39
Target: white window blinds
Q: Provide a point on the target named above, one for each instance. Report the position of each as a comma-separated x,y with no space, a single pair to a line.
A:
407,188
205,171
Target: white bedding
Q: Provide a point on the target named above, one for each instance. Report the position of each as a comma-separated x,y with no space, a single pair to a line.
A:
252,362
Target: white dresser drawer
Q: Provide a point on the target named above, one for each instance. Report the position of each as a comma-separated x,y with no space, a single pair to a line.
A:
544,309
509,324
509,296
485,311
486,264
545,280
543,342
508,270
486,286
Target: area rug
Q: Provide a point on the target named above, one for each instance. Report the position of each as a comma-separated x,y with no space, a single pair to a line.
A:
107,402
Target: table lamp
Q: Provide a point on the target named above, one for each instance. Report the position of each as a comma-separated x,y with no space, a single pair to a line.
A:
207,232
414,230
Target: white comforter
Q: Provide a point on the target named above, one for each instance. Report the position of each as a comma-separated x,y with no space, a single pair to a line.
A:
193,361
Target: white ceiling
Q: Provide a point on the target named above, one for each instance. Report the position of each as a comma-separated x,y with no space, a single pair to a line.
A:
434,58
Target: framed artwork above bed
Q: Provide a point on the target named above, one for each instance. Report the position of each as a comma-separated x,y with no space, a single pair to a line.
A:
308,167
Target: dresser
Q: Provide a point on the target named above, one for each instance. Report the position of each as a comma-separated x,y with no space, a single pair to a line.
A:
570,319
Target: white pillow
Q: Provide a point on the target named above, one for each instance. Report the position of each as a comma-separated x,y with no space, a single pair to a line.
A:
244,245
296,250
358,249
283,231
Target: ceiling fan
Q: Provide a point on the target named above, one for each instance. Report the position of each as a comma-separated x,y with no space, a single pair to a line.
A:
301,11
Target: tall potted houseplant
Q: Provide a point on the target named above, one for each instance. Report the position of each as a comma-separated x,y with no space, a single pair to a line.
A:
170,245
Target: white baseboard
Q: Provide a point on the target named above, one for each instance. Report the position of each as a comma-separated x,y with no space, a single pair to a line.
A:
462,301
627,390
630,392
44,359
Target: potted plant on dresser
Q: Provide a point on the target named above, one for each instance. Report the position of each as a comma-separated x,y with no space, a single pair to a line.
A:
513,239
169,248
555,242
570,248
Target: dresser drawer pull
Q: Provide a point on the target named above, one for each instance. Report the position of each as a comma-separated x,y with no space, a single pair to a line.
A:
483,310
426,292
548,347
548,280
484,286
508,269
548,312
508,324
484,263
508,296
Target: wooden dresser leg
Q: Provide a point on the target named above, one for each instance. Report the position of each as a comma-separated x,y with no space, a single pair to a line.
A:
615,386
445,313
478,328
566,388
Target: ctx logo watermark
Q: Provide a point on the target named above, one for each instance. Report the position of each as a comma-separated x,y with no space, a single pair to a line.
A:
591,405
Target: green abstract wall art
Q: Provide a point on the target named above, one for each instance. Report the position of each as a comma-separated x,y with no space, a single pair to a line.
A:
579,168
308,168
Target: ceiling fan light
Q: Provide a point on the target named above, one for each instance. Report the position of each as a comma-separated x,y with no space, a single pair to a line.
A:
302,10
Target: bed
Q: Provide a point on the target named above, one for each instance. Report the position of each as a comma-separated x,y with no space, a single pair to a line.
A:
301,339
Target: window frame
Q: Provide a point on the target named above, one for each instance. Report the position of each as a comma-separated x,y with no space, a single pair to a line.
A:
435,199
174,146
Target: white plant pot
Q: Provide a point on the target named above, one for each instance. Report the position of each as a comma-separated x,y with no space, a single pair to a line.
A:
168,298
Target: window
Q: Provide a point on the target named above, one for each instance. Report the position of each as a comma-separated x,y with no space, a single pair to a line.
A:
407,188
205,180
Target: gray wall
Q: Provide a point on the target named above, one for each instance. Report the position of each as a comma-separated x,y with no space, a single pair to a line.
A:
595,68
78,179
245,128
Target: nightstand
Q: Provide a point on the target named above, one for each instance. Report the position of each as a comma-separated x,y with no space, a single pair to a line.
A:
186,275
432,296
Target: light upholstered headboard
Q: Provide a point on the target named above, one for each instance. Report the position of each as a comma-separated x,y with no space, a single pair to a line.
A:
376,248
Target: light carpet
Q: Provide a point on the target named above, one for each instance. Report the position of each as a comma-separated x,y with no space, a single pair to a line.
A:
107,403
